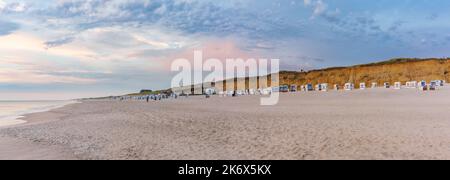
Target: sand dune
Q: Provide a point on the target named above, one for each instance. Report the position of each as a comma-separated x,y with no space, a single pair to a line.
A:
370,124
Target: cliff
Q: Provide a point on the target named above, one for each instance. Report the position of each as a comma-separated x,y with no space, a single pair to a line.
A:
394,70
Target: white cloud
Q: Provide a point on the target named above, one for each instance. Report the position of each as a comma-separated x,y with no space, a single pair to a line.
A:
23,70
2,5
161,10
27,77
320,7
307,2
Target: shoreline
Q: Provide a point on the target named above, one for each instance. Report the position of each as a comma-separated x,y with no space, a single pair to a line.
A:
20,118
17,148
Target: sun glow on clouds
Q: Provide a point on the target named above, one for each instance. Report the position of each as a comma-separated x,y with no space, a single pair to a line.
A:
28,42
220,49
20,62
23,76
94,48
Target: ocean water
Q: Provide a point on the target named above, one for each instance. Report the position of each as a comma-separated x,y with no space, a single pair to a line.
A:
11,111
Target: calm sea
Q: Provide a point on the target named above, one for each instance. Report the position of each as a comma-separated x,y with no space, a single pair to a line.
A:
10,111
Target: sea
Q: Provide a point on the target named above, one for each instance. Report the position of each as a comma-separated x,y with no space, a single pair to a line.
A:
12,111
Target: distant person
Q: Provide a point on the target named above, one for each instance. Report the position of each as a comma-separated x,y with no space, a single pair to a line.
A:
148,98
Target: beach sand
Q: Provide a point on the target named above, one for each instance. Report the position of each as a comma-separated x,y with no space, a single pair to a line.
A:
361,124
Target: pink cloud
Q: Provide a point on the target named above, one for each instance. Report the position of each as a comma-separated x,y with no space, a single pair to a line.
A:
216,49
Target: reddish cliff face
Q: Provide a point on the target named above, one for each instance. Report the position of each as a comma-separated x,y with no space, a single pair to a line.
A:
389,71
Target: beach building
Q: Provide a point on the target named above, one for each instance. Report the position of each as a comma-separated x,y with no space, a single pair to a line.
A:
397,85
374,85
349,86
362,86
387,85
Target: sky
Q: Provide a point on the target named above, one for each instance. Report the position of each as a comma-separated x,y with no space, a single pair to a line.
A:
64,49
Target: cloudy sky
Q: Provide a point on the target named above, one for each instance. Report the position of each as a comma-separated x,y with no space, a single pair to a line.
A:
59,49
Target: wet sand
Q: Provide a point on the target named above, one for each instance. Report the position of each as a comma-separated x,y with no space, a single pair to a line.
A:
370,124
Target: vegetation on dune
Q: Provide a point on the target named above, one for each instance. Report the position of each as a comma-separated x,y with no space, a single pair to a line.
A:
150,92
395,70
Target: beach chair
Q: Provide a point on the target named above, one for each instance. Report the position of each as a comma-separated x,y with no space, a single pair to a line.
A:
336,87
309,87
284,89
230,93
433,86
423,86
362,86
349,86
266,91
439,82
324,87
318,87
374,85
251,91
294,88
411,84
221,93
210,91
397,85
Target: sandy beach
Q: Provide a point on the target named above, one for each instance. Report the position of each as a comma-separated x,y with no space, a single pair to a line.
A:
361,124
